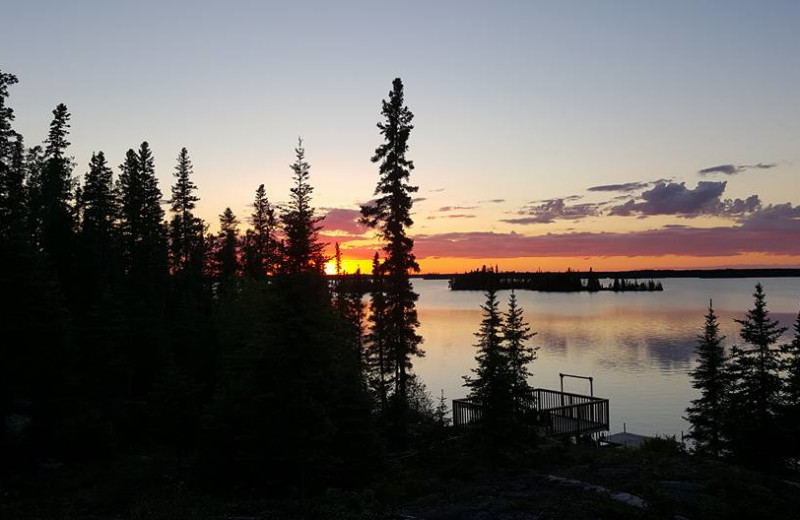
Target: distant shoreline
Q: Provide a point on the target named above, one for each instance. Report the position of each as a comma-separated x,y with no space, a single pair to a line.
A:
661,273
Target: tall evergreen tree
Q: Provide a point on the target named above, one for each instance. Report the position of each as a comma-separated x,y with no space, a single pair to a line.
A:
261,247
185,229
99,244
516,334
390,213
491,385
380,372
707,413
303,250
228,252
143,254
141,216
8,145
755,396
790,413
56,196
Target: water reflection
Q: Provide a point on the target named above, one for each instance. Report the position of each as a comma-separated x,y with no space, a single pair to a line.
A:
639,347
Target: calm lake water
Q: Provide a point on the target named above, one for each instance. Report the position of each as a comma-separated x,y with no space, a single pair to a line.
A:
639,347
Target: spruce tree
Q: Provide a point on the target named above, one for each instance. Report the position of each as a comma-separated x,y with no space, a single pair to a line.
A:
379,364
710,377
755,396
99,240
8,140
491,384
303,250
516,334
390,213
228,246
261,247
56,197
185,229
141,216
790,412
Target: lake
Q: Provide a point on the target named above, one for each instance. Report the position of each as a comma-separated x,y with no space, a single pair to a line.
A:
638,346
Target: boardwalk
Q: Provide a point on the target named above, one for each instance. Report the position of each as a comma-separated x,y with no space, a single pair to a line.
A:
555,413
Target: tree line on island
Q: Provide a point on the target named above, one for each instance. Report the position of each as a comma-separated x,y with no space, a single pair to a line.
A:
128,329
570,281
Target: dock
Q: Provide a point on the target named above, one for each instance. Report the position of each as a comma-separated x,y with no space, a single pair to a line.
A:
555,413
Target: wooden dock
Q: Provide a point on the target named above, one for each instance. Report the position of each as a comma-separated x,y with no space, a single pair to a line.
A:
554,413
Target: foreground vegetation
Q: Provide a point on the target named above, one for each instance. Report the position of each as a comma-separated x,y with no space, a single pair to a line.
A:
444,477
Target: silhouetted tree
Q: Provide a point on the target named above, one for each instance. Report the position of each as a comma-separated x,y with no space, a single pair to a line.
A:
261,255
12,198
390,213
491,385
303,250
441,411
55,191
755,396
144,261
710,377
790,411
185,229
141,216
228,246
98,252
516,334
380,373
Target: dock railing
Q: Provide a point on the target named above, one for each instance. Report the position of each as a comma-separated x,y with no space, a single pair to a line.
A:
556,413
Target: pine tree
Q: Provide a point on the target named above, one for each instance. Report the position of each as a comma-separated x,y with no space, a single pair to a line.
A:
707,413
99,199
143,253
56,196
303,250
228,252
8,141
261,254
390,213
99,244
379,364
491,384
185,229
790,412
141,216
755,396
441,411
516,334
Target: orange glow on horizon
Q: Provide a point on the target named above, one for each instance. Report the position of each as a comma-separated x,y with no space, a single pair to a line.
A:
583,263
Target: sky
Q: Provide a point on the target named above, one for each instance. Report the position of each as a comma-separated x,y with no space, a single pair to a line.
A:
548,135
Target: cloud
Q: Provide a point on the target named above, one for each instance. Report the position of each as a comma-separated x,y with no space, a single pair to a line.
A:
452,215
437,190
346,220
418,199
751,237
492,201
669,198
778,217
456,208
733,169
626,187
551,210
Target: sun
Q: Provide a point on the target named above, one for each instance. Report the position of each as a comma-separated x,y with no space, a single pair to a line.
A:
330,268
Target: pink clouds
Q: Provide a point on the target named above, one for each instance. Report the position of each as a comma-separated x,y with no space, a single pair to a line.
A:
346,220
670,241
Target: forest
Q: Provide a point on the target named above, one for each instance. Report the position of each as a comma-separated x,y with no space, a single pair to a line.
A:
128,327
132,337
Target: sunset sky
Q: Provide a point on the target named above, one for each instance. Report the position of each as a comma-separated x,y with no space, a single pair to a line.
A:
548,135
